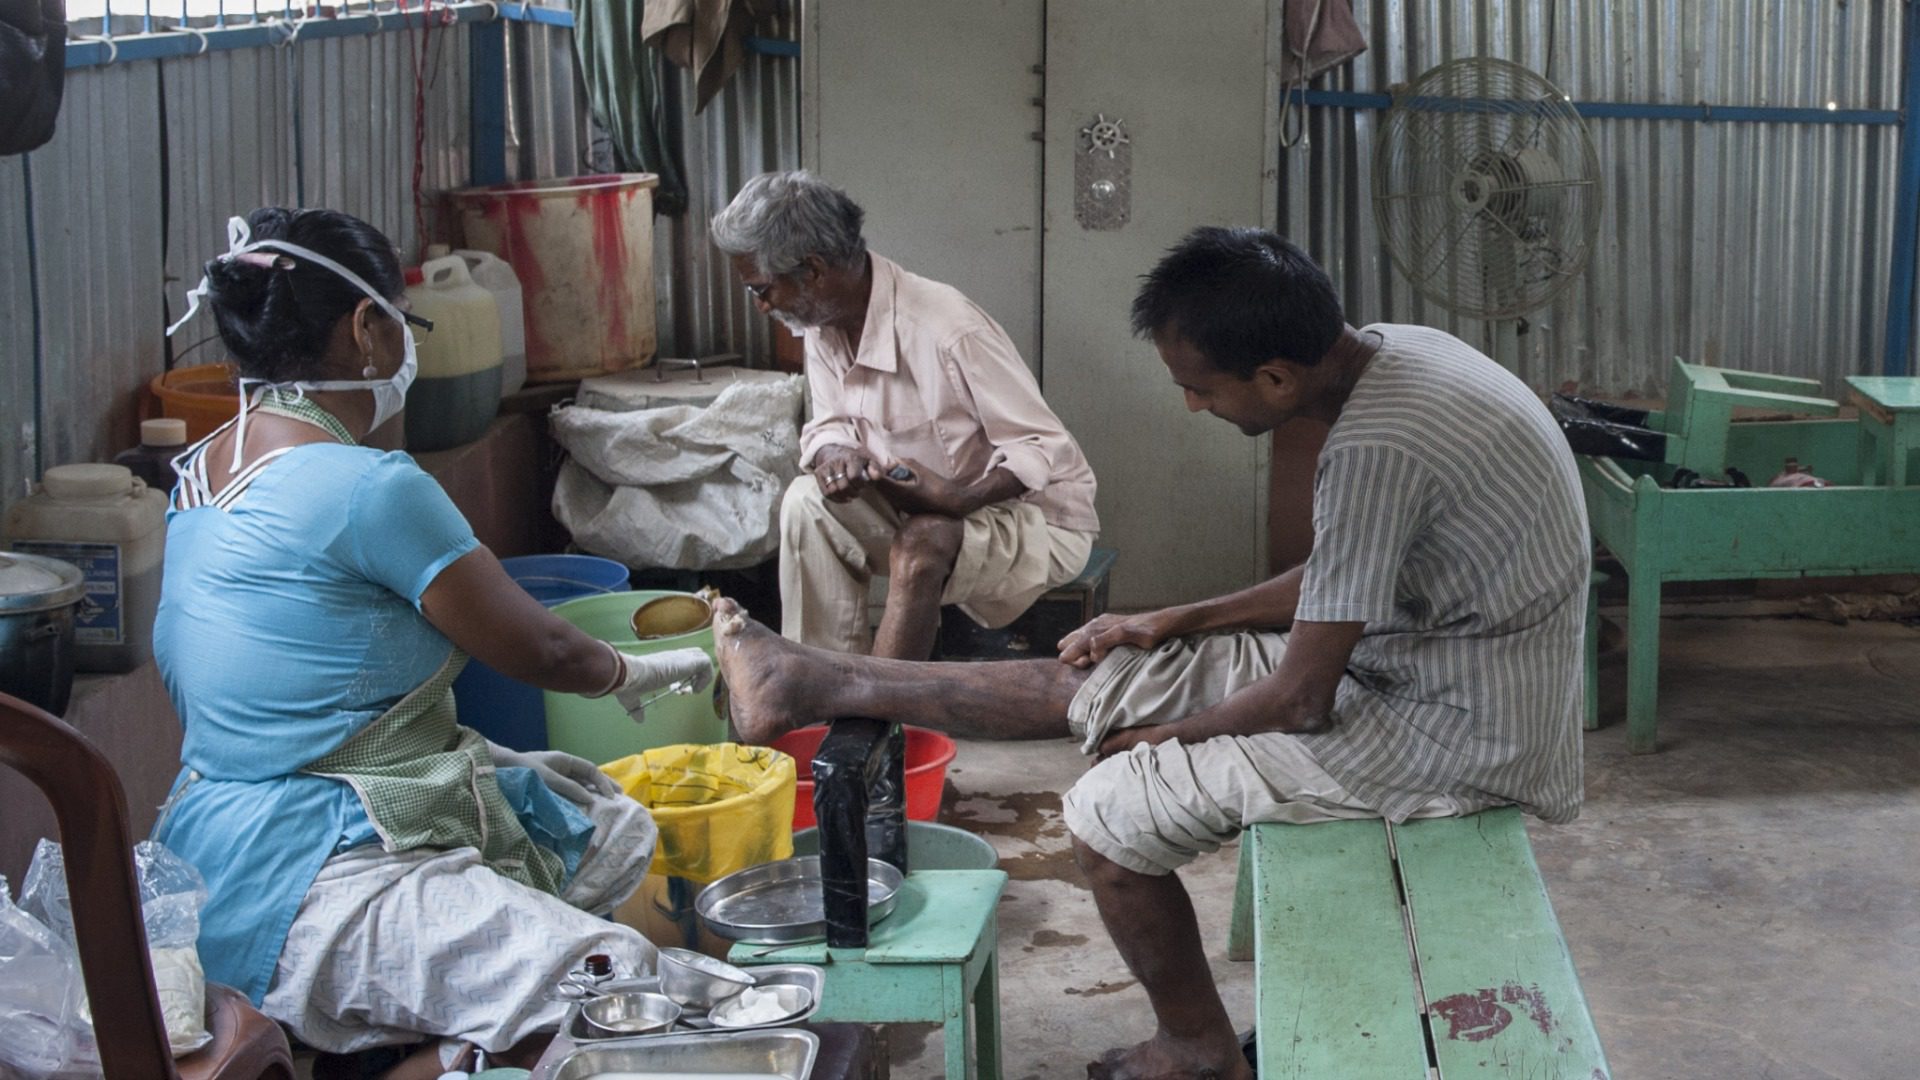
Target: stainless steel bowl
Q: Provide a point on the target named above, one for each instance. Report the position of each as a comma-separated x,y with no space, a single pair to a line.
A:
779,903
793,1001
697,980
634,1012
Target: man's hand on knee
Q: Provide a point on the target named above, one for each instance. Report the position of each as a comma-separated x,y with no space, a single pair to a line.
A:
1091,643
843,472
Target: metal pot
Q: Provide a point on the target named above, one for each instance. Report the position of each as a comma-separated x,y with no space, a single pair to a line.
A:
38,598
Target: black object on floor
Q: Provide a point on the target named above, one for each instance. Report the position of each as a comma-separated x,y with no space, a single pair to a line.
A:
1035,635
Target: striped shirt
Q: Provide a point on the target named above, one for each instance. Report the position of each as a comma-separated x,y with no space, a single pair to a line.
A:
1447,517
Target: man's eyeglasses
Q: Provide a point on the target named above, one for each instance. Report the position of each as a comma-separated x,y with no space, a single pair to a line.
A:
759,291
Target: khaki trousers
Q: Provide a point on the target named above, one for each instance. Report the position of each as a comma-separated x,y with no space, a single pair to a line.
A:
830,552
1156,808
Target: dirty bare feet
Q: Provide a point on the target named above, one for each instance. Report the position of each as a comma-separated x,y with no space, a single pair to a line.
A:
771,688
1166,1058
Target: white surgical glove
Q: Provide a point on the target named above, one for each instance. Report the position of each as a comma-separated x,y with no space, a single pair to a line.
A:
680,671
574,779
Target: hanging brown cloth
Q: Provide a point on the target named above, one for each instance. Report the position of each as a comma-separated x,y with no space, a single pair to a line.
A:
707,37
1320,34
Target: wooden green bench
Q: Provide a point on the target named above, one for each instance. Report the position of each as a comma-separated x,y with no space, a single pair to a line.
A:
1407,952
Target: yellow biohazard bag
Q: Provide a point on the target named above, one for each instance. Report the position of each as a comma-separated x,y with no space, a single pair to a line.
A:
720,807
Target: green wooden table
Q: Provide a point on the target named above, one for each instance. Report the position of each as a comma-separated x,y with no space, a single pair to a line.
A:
1889,427
1663,534
935,955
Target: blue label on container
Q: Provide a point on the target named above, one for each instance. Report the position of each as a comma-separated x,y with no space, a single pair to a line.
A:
98,620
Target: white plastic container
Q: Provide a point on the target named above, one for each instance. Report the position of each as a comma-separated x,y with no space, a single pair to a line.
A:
110,524
457,392
492,273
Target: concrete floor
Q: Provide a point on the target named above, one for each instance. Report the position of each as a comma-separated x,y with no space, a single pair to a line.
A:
1741,904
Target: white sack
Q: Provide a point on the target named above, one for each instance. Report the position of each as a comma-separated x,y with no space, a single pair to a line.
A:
682,487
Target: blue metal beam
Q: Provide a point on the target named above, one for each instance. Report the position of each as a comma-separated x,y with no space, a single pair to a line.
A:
1906,211
487,103
1624,110
773,46
545,16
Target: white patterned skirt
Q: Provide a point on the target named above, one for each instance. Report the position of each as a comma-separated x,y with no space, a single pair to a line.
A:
395,948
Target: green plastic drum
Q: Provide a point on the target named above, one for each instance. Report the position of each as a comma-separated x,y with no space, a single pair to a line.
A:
598,729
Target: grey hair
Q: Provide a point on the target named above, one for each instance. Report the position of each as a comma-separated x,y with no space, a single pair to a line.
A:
780,218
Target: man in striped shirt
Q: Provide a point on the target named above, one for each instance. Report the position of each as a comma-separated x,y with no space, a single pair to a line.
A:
1424,660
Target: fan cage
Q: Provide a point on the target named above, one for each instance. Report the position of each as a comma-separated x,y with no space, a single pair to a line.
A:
1486,188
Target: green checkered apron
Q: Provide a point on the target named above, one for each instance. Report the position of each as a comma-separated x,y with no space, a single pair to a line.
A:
427,782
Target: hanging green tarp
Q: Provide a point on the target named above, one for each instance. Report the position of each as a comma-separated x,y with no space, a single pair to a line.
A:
623,83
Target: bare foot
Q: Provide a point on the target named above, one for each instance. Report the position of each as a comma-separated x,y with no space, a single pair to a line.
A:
1165,1058
768,691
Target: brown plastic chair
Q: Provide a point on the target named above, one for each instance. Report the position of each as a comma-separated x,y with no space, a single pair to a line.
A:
91,809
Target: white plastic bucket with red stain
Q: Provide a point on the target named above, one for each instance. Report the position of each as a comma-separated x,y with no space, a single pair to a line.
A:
582,248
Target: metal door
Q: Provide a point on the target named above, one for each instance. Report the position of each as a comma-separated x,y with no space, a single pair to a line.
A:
1182,497
927,114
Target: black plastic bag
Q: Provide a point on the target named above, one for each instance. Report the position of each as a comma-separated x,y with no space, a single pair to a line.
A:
33,68
1600,429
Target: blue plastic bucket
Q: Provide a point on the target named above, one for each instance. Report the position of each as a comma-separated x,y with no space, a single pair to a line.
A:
508,711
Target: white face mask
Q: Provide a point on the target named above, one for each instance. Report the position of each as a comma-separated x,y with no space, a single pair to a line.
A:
389,394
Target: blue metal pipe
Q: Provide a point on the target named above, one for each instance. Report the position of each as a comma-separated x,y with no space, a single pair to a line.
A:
1906,211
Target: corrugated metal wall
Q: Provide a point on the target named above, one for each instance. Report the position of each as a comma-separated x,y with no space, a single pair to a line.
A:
151,158
16,334
547,113
96,231
1761,246
326,123
752,126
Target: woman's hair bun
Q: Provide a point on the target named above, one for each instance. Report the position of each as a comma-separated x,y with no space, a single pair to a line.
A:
239,286
276,311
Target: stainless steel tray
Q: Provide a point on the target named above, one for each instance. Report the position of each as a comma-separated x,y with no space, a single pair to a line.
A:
575,1029
779,903
785,1053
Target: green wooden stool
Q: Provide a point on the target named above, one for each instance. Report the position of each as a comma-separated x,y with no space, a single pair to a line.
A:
1889,426
937,952
1408,952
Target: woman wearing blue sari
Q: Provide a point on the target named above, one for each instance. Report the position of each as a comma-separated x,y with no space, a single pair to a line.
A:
378,875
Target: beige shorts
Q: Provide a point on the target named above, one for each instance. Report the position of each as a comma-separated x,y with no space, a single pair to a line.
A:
1156,808
829,551
1009,556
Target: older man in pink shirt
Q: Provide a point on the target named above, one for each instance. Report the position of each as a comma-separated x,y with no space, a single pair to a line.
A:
931,457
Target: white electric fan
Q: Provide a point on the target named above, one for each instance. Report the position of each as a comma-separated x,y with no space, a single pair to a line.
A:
1487,191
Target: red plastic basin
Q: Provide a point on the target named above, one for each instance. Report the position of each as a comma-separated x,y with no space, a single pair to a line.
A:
928,753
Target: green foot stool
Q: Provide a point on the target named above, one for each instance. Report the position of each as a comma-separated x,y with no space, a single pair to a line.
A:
934,955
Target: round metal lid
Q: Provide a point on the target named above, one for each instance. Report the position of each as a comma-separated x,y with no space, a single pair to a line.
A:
36,583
